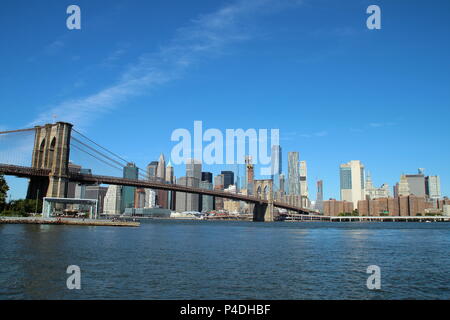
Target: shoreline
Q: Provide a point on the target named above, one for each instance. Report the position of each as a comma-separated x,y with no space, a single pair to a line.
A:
67,221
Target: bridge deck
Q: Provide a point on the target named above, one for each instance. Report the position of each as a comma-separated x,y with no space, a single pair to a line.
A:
29,172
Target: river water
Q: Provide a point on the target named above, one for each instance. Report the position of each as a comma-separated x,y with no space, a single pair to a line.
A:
166,259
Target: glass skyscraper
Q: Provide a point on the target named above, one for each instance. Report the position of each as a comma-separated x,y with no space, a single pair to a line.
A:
293,173
129,172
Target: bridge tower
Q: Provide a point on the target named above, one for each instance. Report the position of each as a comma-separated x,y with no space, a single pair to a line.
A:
263,211
51,151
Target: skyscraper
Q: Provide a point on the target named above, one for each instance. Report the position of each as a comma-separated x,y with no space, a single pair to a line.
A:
276,166
161,169
113,200
403,187
433,187
194,169
129,172
169,173
152,168
303,179
207,176
416,183
228,178
293,174
249,173
352,182
319,197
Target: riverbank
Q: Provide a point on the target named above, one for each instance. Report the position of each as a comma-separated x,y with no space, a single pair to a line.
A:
67,221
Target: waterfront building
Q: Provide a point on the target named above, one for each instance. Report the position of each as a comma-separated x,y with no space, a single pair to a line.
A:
139,198
96,193
130,171
207,202
113,200
73,168
352,182
410,205
335,207
293,174
433,187
150,198
187,201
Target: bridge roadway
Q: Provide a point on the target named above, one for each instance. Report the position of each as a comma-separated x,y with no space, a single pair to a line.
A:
28,172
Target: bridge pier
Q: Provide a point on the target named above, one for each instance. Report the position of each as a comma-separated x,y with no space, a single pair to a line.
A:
263,212
51,151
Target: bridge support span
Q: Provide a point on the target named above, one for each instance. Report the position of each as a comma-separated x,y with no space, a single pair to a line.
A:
263,212
51,151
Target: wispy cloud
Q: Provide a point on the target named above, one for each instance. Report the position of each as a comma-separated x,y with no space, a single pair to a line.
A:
381,124
206,35
373,125
314,135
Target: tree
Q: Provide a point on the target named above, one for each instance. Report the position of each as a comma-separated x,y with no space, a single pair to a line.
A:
3,192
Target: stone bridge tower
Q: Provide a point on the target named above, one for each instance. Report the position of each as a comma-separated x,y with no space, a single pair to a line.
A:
263,189
51,151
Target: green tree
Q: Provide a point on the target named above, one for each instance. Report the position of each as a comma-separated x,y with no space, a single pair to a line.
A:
3,192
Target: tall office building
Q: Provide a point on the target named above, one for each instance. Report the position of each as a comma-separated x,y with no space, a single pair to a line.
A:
352,182
113,200
161,169
194,169
293,174
276,161
207,176
402,187
319,197
169,173
433,187
228,178
152,168
416,183
170,178
187,201
303,179
249,174
129,172
282,184
207,202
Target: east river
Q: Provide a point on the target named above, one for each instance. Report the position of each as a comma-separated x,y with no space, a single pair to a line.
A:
166,259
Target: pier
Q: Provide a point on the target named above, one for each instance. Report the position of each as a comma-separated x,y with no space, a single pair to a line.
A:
365,218
67,221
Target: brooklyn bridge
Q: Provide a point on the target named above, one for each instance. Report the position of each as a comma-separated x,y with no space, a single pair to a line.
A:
49,173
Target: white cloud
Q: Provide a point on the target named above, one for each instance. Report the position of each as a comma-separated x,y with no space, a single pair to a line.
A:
206,35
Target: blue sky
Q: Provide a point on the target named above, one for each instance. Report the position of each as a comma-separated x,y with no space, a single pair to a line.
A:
137,70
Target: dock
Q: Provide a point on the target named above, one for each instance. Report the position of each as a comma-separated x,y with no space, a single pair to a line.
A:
292,218
68,221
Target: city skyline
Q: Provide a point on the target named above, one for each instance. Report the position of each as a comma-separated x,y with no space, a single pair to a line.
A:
309,55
